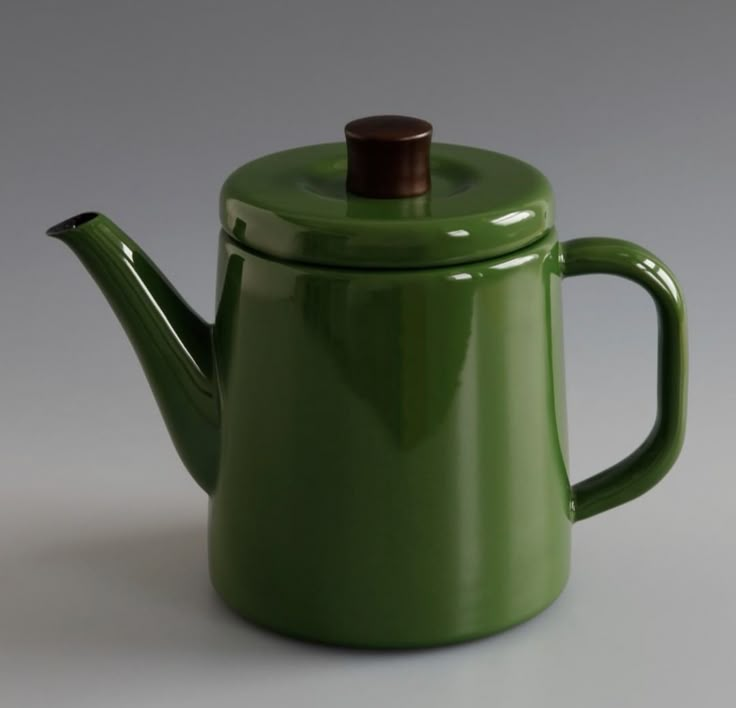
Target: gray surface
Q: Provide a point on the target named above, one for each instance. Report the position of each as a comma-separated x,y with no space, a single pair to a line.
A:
140,110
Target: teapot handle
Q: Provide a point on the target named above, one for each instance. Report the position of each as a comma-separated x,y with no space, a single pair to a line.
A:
651,461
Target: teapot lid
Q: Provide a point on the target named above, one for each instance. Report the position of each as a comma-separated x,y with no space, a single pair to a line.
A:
386,199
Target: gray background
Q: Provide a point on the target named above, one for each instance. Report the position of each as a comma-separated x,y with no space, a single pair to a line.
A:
140,110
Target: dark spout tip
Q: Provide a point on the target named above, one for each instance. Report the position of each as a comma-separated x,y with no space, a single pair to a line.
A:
69,224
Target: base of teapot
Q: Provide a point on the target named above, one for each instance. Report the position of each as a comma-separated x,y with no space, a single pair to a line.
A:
390,643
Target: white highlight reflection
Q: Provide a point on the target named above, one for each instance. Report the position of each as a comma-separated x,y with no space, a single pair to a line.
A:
513,262
513,217
162,315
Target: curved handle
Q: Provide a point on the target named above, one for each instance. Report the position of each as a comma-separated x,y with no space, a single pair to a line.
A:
646,466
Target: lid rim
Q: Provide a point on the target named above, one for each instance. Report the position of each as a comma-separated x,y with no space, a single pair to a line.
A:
378,268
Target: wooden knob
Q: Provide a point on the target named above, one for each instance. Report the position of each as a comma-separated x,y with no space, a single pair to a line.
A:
388,156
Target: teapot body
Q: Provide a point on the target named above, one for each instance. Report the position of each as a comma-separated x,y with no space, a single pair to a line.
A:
393,456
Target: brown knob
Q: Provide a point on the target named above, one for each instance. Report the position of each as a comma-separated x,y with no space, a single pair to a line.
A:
388,156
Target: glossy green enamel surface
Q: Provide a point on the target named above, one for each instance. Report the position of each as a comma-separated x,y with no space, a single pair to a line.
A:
393,462
293,205
647,465
384,449
172,342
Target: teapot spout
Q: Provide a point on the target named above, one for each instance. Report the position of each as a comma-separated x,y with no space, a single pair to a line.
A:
174,345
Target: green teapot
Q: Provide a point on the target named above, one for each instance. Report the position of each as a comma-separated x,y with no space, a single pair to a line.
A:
377,413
